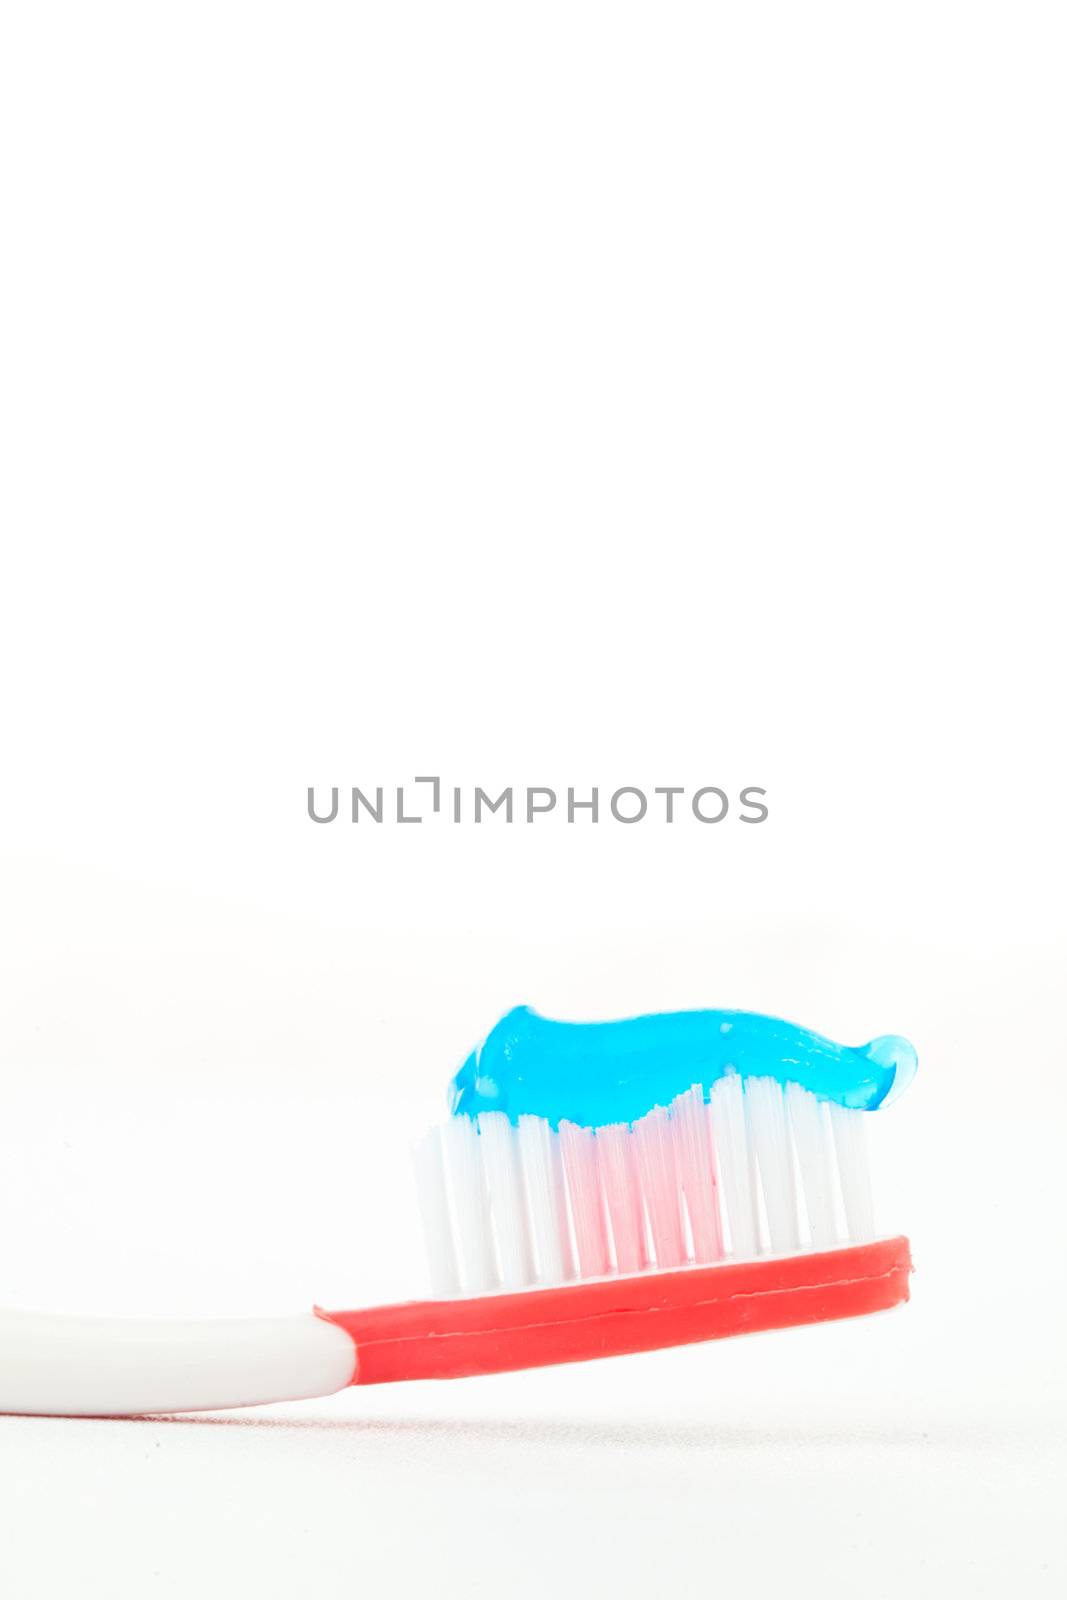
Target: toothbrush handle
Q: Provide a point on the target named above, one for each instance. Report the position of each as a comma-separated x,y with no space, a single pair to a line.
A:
100,1367
85,1366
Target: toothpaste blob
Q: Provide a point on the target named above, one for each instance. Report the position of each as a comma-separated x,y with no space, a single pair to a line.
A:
596,1073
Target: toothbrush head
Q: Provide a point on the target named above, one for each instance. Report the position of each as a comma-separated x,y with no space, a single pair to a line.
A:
608,1188
593,1150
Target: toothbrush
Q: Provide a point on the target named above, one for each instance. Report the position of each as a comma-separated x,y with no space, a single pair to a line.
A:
597,1189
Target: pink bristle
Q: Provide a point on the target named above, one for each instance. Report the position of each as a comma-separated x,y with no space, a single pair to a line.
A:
695,1159
578,1146
622,1192
659,1179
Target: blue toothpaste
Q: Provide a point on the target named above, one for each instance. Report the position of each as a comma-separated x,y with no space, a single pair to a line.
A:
595,1073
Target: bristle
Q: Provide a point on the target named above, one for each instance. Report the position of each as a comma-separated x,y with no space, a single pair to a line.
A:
695,1160
622,1194
850,1141
507,1206
436,1223
659,1180
815,1163
539,1152
578,1148
769,1137
507,1203
730,1134
469,1201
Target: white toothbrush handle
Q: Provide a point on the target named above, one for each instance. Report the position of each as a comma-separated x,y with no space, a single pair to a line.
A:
96,1366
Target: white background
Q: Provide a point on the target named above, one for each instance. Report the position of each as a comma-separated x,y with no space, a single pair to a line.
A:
564,394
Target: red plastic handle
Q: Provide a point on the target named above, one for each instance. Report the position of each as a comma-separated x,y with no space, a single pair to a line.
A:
619,1316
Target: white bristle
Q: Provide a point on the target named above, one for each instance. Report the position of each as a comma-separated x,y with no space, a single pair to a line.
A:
499,1202
769,1138
578,1148
539,1153
695,1160
436,1223
850,1141
659,1181
469,1202
815,1161
507,1204
736,1170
